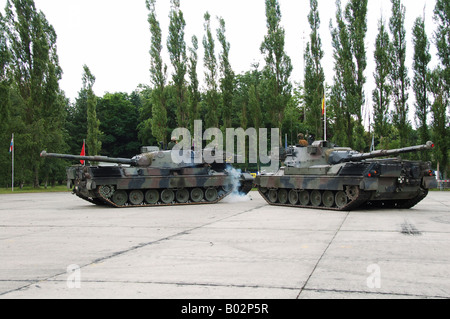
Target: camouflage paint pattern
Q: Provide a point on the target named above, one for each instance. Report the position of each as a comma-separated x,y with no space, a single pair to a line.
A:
134,181
342,179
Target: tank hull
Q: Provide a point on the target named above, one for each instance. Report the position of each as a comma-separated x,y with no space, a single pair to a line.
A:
122,187
349,186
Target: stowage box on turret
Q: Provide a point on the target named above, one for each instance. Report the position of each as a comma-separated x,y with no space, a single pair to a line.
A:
153,179
327,177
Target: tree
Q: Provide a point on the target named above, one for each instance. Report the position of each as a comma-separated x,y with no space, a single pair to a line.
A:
382,92
94,145
399,73
440,85
422,58
210,63
440,127
119,121
194,93
314,74
356,15
177,51
277,71
227,79
158,72
5,105
35,72
442,36
344,90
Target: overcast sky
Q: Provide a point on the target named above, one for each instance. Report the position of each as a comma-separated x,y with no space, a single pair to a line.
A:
112,37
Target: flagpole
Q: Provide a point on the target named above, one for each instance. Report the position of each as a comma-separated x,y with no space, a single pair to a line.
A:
325,116
12,165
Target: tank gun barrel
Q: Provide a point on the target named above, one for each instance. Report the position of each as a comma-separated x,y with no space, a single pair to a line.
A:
104,159
385,153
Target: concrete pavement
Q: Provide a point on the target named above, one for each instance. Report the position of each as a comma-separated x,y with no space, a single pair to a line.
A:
59,246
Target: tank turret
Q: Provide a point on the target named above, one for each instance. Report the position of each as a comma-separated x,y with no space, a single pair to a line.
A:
154,179
324,176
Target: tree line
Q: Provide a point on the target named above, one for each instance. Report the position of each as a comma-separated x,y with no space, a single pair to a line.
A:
33,106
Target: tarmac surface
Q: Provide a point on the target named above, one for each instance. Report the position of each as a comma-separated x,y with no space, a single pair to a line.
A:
56,246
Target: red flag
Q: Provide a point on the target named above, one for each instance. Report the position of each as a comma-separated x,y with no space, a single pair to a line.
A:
83,153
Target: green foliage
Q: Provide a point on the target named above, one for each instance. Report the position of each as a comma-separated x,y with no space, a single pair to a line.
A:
350,63
275,85
422,58
119,120
158,72
227,76
33,107
399,73
34,71
177,51
93,142
314,74
211,102
381,95
194,93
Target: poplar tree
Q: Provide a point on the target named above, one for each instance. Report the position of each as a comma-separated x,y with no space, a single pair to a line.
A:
35,72
314,74
440,86
210,63
350,63
176,46
93,142
227,76
442,36
356,15
343,90
158,72
194,93
5,83
382,92
278,68
4,79
422,58
399,73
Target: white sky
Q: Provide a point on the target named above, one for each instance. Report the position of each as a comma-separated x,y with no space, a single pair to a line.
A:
112,37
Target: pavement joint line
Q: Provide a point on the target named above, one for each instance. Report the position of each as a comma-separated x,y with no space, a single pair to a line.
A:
383,293
204,284
133,248
323,254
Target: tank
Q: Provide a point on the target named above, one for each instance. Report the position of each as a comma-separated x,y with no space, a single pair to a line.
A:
323,176
152,179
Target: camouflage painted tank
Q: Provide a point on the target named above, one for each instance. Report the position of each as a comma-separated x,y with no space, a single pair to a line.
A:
152,179
323,176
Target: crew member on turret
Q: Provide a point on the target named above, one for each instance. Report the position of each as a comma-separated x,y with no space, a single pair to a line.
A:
172,143
302,142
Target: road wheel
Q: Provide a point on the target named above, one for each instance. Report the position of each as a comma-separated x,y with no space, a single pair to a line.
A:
341,200
293,197
152,196
167,196
273,196
120,198
283,196
197,195
211,194
304,198
328,199
136,197
316,198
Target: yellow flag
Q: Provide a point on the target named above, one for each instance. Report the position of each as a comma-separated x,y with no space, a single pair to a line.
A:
323,105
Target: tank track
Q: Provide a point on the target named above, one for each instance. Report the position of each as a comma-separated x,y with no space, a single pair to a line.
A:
399,204
355,199
245,187
102,200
